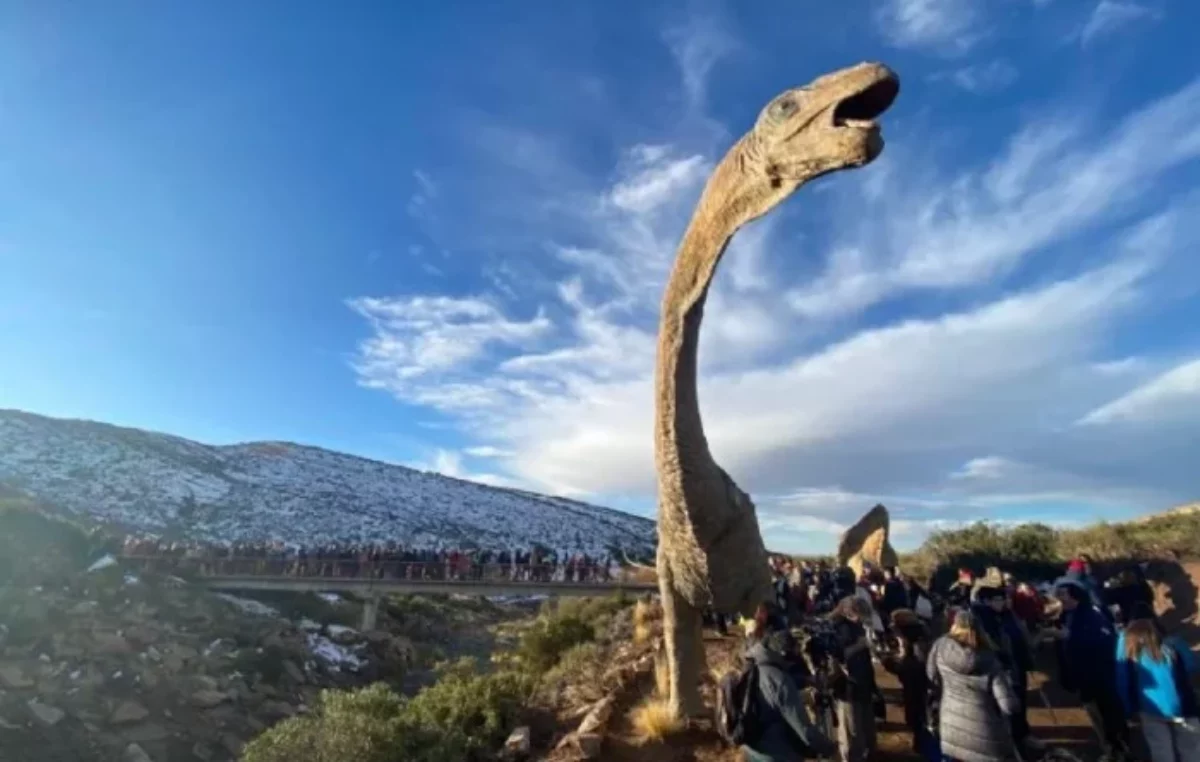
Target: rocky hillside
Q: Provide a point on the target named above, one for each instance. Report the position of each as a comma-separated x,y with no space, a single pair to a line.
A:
99,663
153,482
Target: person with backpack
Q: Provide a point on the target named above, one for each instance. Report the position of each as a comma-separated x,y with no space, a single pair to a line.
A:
1154,681
762,709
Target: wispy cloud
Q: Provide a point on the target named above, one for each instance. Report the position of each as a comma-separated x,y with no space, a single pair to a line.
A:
1173,396
972,403
982,78
943,25
1109,16
1053,181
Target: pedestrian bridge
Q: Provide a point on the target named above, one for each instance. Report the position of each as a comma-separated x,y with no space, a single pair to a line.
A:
372,582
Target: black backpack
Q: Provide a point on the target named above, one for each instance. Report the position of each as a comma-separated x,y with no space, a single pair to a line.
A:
737,706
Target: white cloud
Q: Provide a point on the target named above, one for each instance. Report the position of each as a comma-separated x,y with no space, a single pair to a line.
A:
1109,16
1173,396
983,78
949,25
420,335
970,407
1053,181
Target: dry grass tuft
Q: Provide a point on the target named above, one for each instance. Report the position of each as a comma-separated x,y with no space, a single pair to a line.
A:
653,721
642,632
662,677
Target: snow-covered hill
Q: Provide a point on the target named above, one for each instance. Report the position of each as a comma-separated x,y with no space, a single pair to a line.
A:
152,482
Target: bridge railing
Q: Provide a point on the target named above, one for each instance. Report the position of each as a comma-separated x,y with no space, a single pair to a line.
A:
415,571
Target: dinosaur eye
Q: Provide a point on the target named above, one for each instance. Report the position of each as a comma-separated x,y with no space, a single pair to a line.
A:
784,107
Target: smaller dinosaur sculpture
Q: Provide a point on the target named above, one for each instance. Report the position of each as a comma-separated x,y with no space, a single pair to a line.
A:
868,541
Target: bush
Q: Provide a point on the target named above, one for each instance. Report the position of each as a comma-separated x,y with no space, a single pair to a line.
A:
543,644
460,718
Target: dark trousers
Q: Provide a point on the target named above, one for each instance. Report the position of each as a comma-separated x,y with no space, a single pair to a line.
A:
1019,721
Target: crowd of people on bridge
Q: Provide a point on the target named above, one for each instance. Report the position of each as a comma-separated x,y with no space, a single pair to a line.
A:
964,657
373,561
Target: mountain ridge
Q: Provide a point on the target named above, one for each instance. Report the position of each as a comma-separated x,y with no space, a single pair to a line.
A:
166,484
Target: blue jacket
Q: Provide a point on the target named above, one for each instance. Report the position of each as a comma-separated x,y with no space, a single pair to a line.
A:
1087,657
1159,688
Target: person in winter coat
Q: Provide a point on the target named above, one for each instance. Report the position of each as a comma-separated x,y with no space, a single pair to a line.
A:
853,688
1087,665
910,668
1154,681
975,697
784,731
1008,640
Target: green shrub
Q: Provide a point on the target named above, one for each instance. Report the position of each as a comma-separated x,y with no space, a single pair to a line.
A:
543,644
366,725
461,718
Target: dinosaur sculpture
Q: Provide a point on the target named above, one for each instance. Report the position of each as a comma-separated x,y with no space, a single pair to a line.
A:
868,541
710,550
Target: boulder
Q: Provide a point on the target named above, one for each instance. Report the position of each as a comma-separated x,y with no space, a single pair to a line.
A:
110,644
12,676
589,744
135,753
207,699
518,744
46,714
128,713
868,541
148,732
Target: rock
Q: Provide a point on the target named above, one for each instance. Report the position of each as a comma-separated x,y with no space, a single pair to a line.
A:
202,751
142,635
294,672
589,744
149,732
277,709
46,714
867,541
597,718
518,744
6,725
111,644
232,744
135,753
128,713
12,676
207,699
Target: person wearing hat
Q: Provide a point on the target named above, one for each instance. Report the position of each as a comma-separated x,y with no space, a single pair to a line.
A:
784,732
998,622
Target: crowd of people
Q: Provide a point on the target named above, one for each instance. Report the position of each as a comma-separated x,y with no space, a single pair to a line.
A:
963,657
373,561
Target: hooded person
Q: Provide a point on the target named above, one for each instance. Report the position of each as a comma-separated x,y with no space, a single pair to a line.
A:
784,732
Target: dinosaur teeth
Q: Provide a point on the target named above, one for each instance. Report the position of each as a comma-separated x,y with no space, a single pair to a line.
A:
860,123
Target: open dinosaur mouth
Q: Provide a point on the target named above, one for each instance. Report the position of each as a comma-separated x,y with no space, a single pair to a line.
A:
861,109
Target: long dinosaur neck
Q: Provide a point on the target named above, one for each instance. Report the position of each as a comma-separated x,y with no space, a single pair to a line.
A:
681,447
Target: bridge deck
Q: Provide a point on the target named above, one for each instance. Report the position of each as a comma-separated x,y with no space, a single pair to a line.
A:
367,587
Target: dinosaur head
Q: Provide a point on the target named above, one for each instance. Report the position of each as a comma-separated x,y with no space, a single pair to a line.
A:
810,131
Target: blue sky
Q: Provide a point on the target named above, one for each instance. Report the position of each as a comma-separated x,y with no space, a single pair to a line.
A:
436,234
